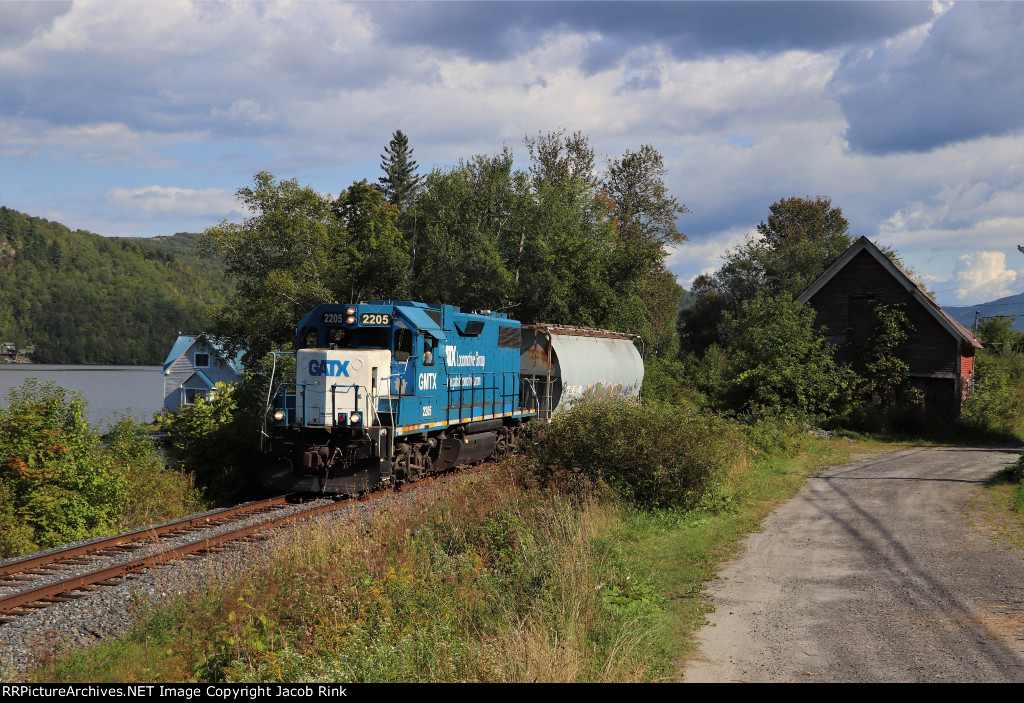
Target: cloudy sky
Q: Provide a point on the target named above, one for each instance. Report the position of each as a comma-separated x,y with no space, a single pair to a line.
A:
143,118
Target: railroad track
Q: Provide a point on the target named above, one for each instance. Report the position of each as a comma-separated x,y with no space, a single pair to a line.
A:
21,575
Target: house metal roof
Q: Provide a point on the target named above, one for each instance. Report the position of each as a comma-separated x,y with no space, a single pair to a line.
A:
184,342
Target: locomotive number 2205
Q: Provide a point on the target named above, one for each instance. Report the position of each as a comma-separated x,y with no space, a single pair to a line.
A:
374,319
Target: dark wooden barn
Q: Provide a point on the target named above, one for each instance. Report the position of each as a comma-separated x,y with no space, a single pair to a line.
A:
940,351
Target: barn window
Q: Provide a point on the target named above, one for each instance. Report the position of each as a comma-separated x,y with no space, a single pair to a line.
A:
861,318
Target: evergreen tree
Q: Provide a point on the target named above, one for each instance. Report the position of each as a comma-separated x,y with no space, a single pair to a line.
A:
400,180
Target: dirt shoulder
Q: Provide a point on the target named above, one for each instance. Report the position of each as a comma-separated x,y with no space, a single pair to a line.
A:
873,573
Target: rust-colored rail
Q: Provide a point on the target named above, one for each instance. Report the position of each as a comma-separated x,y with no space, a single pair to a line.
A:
129,541
79,586
67,589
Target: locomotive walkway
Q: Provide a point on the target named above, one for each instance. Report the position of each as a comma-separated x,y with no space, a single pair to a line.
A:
877,571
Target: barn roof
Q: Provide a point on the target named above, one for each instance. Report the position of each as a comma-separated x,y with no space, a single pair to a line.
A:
919,294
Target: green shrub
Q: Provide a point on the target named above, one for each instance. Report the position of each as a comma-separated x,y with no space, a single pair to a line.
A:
61,481
1017,476
155,492
651,455
769,434
57,481
892,420
665,381
205,442
996,405
781,362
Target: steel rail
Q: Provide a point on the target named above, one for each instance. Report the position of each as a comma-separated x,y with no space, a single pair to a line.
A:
36,561
64,590
70,588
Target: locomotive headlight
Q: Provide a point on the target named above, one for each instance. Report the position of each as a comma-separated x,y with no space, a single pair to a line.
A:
279,415
350,311
354,418
351,319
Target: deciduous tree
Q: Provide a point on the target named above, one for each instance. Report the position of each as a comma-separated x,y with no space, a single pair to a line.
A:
798,241
779,362
284,258
886,375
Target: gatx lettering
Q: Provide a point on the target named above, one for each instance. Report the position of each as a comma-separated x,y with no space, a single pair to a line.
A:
328,367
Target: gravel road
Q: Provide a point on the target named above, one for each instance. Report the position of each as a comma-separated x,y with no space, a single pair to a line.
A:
878,571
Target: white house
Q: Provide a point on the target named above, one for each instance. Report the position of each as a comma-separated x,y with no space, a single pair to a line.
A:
192,369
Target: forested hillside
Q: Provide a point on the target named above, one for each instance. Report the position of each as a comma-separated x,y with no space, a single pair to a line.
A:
1012,305
81,298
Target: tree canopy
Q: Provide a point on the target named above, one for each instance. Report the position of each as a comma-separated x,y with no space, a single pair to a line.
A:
299,249
798,241
555,242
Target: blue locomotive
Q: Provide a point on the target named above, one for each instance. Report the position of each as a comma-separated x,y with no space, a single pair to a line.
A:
392,391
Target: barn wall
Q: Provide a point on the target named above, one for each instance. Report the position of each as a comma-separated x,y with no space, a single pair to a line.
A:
930,349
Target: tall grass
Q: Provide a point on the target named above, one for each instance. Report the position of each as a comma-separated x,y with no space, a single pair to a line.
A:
487,579
476,581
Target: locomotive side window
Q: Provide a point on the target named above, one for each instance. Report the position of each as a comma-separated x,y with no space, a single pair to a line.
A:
403,344
429,350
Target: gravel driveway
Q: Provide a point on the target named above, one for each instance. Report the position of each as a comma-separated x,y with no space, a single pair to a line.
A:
877,571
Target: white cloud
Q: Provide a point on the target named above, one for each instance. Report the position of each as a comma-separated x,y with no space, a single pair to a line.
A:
244,110
182,202
983,275
314,90
692,259
98,144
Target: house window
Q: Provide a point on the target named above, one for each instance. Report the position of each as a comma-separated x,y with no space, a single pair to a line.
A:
189,395
202,361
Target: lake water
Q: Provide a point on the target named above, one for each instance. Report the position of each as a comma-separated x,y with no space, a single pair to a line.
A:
109,391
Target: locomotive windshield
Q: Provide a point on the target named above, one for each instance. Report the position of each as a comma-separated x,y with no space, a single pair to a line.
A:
342,338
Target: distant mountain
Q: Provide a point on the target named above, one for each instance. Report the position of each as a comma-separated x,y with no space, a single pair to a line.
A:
81,298
1012,305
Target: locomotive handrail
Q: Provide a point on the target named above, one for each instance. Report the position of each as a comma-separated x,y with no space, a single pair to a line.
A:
334,400
500,396
530,385
284,387
270,386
